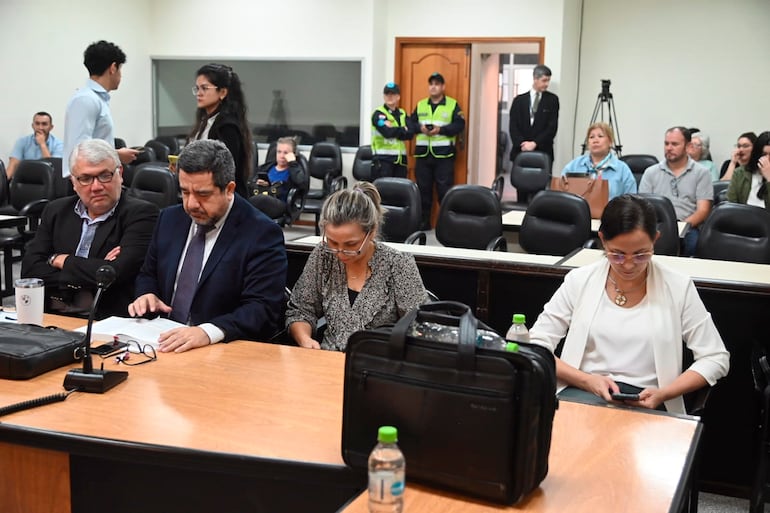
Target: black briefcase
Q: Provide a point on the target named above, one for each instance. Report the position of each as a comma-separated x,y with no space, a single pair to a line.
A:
471,420
27,350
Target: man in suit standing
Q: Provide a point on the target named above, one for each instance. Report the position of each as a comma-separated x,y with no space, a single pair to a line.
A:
78,234
215,262
534,116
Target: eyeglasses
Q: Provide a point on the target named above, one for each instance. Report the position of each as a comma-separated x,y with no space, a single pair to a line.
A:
346,252
86,180
145,353
620,258
675,187
203,88
743,146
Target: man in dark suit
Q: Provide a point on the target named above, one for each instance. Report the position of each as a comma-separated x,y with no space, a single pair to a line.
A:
534,116
215,262
78,234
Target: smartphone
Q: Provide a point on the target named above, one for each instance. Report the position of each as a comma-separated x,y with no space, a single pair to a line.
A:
109,348
429,126
625,397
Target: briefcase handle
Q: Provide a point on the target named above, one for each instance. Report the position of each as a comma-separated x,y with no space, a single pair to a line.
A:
448,313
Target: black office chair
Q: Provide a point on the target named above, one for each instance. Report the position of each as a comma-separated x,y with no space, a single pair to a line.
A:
638,163
470,217
738,232
498,186
555,223
668,242
171,141
62,186
154,183
362,164
160,149
720,191
119,143
530,174
325,133
3,184
403,210
325,164
760,370
147,154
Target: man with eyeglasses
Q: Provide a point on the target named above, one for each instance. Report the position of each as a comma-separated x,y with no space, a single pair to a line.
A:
97,226
215,263
683,181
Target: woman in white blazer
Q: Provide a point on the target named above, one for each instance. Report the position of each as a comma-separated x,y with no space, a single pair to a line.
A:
625,318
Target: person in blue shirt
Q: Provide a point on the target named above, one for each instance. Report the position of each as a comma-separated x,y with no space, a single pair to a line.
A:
277,176
38,145
600,161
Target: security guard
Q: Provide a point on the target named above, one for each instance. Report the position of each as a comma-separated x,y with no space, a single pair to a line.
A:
389,131
437,120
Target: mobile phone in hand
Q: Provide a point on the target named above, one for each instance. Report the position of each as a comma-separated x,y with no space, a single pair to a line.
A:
625,397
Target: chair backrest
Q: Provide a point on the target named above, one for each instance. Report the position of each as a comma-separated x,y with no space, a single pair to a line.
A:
33,180
271,149
161,150
469,217
720,191
325,162
531,173
325,133
146,155
638,163
555,223
668,242
3,184
171,141
154,183
735,232
119,143
403,210
498,186
362,164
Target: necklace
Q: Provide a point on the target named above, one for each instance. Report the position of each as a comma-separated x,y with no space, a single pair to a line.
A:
620,298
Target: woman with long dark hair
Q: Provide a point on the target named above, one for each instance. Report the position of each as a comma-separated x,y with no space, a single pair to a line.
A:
749,183
221,115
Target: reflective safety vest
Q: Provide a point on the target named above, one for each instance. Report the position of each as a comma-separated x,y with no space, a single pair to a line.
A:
440,146
390,150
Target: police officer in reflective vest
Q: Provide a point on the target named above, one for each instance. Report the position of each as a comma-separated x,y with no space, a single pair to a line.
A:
389,131
436,122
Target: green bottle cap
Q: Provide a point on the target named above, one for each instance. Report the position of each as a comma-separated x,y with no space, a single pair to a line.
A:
387,434
519,319
512,347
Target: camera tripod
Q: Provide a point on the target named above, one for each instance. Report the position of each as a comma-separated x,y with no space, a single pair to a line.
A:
605,96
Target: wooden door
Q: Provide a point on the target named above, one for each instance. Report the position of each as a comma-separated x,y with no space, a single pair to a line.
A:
415,62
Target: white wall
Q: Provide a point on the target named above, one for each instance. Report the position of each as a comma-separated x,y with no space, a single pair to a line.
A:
691,62
701,63
41,51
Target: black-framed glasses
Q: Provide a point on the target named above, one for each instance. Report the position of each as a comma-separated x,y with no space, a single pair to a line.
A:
136,354
620,258
346,252
106,177
204,88
675,187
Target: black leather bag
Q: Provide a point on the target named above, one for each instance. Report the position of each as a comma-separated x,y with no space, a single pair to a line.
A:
471,420
27,350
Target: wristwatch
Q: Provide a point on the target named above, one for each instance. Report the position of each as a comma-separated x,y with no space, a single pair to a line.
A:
52,258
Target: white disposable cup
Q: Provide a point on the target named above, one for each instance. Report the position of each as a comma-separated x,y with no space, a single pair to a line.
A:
29,301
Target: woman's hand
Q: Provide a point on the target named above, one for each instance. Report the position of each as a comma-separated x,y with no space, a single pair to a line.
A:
601,386
764,166
309,343
291,157
263,183
649,398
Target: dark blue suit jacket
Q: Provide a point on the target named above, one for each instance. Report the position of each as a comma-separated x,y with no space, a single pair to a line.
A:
241,288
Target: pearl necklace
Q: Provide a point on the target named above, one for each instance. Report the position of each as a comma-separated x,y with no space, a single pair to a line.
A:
620,298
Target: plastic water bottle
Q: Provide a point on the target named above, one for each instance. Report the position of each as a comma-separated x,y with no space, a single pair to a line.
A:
500,345
386,473
451,334
518,331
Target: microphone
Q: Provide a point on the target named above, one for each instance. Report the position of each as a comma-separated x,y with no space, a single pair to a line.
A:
87,379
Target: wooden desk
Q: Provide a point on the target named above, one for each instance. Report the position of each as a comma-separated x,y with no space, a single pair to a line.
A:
513,220
233,427
602,459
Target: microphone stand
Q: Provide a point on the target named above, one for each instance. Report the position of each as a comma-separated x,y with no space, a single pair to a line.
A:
88,379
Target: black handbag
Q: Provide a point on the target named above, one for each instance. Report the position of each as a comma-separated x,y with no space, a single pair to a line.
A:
27,350
471,420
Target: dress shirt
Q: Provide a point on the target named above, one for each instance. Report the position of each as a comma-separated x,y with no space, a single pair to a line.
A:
27,148
88,116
